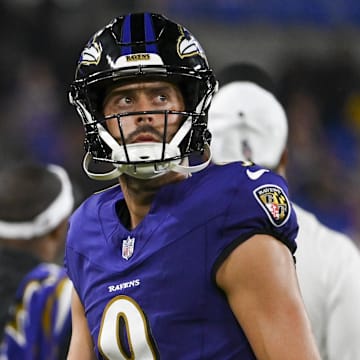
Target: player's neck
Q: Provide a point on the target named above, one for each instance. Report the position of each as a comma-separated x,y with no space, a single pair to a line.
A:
139,194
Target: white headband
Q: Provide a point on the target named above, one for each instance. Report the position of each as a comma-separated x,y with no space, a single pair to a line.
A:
47,220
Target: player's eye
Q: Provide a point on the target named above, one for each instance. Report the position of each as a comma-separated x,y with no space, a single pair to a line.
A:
126,100
162,99
122,102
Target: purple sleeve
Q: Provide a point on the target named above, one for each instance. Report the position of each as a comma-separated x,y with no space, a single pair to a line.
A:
40,320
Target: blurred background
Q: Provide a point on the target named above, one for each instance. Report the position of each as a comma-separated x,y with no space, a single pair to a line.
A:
310,47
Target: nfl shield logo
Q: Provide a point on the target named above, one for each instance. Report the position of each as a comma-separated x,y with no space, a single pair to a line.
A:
128,247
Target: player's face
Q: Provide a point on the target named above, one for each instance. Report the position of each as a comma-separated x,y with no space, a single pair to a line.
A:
144,96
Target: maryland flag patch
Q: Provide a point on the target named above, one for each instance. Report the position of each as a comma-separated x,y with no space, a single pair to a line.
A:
274,202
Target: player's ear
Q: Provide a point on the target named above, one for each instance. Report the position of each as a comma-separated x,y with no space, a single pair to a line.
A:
281,167
59,233
284,157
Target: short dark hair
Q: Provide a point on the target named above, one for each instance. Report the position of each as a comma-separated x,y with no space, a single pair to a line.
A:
246,72
26,190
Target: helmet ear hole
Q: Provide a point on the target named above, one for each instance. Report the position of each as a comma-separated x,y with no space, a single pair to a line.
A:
94,144
199,133
207,137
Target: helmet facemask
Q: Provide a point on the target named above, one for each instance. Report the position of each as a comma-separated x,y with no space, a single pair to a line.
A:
146,159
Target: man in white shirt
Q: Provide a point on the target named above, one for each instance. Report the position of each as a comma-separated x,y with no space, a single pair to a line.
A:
248,123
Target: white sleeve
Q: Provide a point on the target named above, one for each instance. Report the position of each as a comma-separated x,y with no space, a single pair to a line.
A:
343,330
328,267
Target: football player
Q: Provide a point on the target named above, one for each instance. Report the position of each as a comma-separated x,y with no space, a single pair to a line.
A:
36,201
181,260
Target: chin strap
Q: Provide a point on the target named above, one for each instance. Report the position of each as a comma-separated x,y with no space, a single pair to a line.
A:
189,169
115,173
98,176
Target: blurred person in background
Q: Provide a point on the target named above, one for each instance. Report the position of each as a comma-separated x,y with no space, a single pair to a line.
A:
248,123
35,293
318,97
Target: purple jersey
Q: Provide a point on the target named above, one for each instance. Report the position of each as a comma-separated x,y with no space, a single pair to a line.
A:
150,292
39,326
